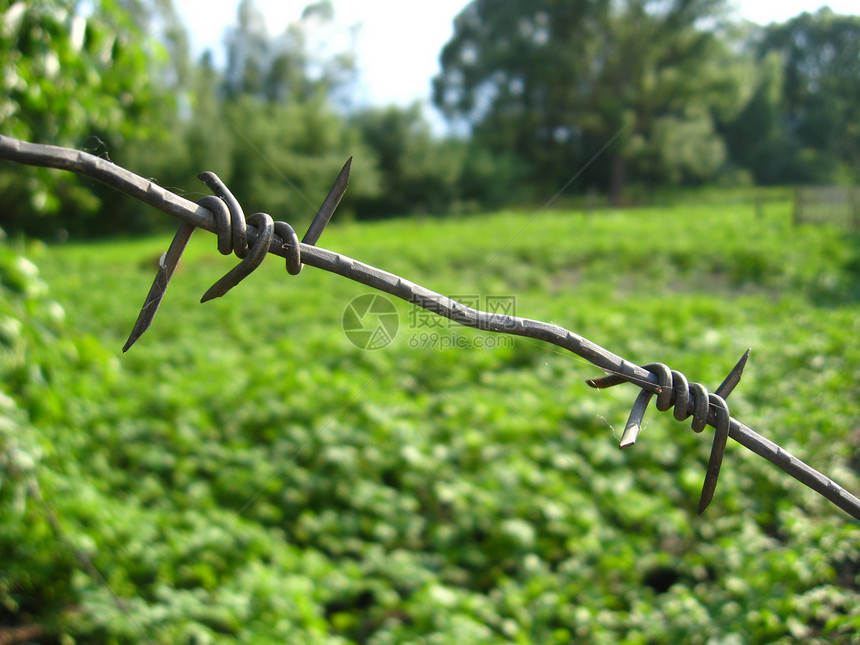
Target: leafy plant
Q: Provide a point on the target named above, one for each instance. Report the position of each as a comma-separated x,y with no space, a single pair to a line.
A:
247,475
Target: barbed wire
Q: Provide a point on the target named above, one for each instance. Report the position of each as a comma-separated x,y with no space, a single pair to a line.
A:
251,239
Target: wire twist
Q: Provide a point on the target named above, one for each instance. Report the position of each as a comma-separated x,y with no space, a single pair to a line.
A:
686,399
231,227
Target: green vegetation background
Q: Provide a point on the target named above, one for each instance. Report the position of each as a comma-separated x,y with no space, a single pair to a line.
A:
245,474
630,98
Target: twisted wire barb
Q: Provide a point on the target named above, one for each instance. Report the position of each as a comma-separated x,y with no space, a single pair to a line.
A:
671,387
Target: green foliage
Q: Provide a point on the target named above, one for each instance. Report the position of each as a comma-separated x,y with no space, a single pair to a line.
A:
555,82
76,80
800,124
626,98
421,173
247,475
283,157
39,356
418,173
281,68
754,138
820,103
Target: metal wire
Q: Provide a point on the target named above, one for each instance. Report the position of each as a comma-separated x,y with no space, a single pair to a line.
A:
673,388
687,399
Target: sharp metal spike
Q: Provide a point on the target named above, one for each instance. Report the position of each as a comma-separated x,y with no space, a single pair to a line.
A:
634,421
718,449
335,194
715,462
166,266
721,432
610,380
734,377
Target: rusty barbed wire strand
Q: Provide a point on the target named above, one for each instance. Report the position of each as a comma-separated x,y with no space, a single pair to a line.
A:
672,387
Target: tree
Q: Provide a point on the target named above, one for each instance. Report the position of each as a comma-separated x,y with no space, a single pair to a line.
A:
285,67
285,142
74,79
755,138
419,173
160,22
556,81
820,101
283,157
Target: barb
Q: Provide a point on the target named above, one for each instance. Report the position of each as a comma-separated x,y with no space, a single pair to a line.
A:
329,205
166,266
687,399
672,388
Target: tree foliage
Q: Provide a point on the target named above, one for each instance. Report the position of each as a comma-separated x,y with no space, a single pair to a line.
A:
83,80
557,81
284,67
645,92
819,108
282,141
419,174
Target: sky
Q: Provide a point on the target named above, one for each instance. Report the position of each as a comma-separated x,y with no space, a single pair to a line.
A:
398,42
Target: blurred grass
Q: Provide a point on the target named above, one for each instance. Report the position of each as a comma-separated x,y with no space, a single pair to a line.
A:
245,474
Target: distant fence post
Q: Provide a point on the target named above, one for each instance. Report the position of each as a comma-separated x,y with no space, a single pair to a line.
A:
855,208
833,205
797,216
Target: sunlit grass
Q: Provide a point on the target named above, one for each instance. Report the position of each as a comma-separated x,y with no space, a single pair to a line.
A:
299,486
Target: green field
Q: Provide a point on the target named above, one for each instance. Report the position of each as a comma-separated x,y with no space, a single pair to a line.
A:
246,475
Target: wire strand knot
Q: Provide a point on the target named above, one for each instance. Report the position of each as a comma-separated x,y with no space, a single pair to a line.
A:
232,230
686,400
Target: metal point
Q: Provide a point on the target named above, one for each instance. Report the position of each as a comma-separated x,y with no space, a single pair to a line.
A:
634,421
335,194
718,449
734,377
166,267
